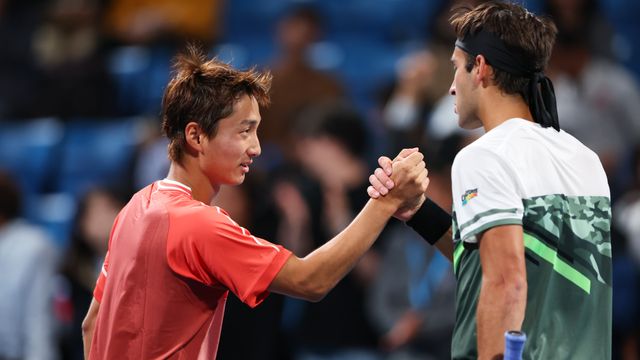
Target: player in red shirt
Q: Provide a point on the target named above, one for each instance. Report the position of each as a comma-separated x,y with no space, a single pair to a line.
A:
173,258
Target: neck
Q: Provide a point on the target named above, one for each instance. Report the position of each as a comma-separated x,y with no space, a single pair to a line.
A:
497,107
189,174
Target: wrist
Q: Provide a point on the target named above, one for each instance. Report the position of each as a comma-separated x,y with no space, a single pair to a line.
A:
430,221
386,205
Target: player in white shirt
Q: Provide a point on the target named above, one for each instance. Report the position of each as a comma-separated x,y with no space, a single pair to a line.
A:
531,206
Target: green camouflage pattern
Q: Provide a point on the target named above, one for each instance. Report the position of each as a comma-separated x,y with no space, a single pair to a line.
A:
562,320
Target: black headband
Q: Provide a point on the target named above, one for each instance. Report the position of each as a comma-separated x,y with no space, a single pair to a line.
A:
542,99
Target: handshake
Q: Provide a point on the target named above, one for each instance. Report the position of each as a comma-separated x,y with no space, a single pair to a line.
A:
402,181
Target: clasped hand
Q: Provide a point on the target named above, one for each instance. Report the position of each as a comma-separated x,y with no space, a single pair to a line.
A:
407,176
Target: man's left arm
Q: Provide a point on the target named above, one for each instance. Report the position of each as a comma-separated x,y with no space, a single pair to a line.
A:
503,295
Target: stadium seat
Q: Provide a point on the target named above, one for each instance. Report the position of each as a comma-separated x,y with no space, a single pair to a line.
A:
98,153
28,150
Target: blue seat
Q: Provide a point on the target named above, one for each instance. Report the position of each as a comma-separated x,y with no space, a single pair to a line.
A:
28,149
140,76
97,153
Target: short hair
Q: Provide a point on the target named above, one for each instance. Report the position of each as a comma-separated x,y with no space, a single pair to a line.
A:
205,91
518,28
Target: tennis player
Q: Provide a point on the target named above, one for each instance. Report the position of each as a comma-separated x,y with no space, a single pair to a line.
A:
173,259
531,215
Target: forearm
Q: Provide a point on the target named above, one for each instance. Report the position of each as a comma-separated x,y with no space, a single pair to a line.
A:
501,307
323,268
445,245
88,326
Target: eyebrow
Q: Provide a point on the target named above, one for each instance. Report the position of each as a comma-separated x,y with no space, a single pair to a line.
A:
249,122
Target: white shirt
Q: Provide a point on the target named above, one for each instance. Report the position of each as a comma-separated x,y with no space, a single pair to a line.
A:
516,161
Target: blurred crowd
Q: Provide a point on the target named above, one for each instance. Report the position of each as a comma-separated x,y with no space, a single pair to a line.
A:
81,83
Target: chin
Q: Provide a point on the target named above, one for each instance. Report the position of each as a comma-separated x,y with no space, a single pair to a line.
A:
239,180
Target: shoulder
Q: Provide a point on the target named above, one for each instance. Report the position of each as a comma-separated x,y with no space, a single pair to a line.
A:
480,154
195,212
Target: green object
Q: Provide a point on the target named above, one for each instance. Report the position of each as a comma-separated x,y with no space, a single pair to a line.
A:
568,260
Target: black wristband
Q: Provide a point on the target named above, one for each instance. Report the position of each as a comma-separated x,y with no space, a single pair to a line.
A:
430,222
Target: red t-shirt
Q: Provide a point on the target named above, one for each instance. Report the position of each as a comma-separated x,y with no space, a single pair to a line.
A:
171,263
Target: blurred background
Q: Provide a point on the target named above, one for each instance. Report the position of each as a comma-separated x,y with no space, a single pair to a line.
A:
81,83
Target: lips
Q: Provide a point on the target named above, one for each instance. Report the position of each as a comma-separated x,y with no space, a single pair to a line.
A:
245,166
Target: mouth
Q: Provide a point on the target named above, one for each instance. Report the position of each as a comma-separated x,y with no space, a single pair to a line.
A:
245,166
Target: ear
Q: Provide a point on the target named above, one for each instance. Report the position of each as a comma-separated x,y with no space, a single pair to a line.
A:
483,71
193,136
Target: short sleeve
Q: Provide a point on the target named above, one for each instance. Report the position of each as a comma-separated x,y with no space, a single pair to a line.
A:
216,250
102,279
485,193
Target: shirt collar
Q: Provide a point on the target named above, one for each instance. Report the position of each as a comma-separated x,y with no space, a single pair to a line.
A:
172,185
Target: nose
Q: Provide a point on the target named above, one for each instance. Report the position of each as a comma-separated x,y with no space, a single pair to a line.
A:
254,149
452,89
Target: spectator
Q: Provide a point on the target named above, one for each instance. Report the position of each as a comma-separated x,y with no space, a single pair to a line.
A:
330,147
412,299
296,84
81,264
27,265
598,100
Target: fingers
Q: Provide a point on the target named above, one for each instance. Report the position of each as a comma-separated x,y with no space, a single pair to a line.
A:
413,159
386,164
378,182
423,179
405,152
372,192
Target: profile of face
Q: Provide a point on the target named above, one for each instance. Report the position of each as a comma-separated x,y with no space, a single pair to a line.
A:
225,158
464,90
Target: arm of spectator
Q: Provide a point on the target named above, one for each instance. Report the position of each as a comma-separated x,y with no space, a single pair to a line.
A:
415,74
294,228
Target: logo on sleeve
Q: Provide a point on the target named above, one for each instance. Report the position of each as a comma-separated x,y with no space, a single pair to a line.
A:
468,195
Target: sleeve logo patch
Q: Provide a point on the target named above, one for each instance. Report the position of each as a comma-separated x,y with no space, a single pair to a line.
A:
468,195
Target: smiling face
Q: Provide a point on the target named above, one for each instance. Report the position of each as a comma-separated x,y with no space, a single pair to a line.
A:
465,92
226,156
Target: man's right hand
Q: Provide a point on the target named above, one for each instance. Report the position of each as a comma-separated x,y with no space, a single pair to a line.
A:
382,182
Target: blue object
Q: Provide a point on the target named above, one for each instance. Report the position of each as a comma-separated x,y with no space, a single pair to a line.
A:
28,150
97,153
514,344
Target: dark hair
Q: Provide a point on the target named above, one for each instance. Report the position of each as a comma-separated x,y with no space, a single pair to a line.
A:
534,36
205,91
11,196
337,120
